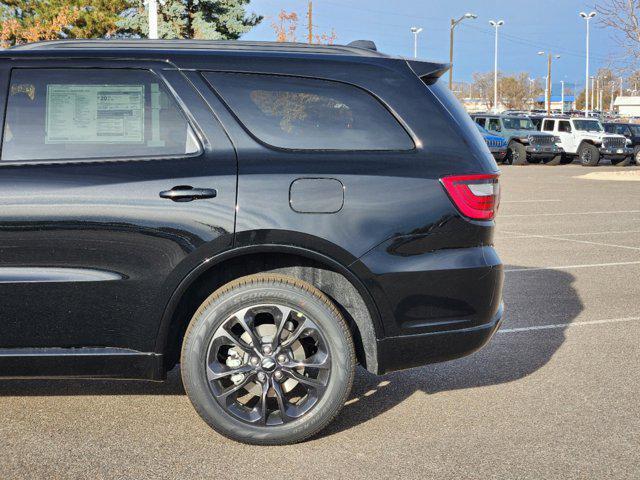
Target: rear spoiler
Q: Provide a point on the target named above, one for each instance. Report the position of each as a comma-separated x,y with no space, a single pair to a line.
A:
429,72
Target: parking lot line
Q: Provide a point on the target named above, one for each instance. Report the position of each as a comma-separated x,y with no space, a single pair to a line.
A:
570,267
560,214
568,324
530,201
555,237
526,235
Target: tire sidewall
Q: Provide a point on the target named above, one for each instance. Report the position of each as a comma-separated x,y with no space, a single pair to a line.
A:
195,350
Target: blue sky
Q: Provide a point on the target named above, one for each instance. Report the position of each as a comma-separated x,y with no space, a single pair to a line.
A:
530,26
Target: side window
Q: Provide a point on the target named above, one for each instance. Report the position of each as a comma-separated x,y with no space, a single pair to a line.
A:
55,114
310,114
564,126
494,125
610,128
548,125
481,121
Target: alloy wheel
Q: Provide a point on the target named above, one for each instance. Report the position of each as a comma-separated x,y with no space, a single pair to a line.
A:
268,364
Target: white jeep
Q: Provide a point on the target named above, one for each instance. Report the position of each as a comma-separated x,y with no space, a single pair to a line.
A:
586,139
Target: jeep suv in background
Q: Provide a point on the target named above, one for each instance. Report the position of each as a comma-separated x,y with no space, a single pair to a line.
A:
586,139
629,130
497,145
525,143
266,215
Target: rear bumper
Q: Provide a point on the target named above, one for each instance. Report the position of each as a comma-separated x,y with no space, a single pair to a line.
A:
434,306
397,353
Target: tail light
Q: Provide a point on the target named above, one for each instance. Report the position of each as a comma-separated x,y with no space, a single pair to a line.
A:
476,196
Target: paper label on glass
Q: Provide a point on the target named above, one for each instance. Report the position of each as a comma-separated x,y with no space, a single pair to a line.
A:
95,114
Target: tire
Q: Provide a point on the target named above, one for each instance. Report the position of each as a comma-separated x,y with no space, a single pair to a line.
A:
517,153
636,155
589,155
566,159
621,162
311,331
553,161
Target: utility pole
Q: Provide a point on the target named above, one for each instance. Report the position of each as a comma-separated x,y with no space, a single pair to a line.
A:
453,26
152,10
310,21
550,58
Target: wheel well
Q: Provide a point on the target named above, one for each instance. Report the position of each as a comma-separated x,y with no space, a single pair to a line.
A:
582,142
331,282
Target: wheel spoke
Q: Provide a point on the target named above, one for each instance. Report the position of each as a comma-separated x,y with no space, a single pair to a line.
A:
307,381
241,316
224,335
281,402
311,362
217,374
285,312
302,325
234,389
264,415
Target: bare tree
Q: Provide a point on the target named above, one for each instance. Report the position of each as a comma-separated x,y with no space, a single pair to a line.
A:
623,16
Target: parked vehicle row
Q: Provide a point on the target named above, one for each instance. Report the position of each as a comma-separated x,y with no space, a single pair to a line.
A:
556,140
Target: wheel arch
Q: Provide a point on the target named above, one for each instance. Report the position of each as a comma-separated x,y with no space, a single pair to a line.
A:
334,279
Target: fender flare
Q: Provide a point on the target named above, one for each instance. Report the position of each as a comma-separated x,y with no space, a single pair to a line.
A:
370,335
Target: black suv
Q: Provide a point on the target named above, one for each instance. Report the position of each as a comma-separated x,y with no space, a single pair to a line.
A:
629,130
267,215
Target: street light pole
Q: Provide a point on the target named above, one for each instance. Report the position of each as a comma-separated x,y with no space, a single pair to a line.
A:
587,17
454,23
496,25
415,31
152,10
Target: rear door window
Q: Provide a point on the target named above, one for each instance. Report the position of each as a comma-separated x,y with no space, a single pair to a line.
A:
310,114
548,125
564,126
55,114
494,125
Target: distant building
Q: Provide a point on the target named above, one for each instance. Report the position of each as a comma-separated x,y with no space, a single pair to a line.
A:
628,106
556,102
474,105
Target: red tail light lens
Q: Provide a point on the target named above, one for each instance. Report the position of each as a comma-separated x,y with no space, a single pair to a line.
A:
476,196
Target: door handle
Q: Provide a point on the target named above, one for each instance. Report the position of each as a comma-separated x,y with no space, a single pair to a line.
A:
186,193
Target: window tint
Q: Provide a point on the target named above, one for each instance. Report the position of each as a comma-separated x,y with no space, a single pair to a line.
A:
90,113
609,128
481,121
297,113
494,125
564,126
547,126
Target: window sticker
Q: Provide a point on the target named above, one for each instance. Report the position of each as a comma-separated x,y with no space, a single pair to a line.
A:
95,114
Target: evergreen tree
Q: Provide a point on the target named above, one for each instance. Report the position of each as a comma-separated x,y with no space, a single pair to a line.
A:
27,20
198,19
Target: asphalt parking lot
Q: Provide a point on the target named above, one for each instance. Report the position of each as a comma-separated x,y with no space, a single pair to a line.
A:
556,394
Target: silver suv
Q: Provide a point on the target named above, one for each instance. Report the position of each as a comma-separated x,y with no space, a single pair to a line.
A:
525,143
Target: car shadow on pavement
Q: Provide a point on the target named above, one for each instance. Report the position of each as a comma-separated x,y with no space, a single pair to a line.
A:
533,298
536,297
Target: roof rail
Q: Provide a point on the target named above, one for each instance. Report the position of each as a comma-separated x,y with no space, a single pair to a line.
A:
368,44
